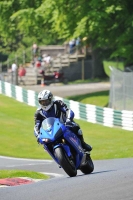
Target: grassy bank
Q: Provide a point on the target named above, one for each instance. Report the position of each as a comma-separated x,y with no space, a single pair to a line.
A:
21,173
97,98
17,138
118,65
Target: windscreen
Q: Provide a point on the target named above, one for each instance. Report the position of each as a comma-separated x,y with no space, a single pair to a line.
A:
48,123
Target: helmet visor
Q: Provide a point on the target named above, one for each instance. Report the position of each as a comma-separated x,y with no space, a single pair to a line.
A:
45,102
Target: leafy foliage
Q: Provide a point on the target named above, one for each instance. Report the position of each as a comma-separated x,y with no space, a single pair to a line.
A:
104,23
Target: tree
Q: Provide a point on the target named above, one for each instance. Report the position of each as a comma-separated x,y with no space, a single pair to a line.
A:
107,24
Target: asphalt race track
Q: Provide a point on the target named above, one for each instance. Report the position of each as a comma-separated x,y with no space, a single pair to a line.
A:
111,180
70,90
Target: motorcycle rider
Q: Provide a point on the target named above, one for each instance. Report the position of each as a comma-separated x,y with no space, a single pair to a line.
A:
56,108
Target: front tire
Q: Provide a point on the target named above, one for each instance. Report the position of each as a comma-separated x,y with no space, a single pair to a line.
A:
66,163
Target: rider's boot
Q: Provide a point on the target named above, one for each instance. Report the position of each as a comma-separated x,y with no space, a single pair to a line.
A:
85,146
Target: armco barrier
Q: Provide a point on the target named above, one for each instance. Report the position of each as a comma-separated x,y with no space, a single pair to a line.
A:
91,113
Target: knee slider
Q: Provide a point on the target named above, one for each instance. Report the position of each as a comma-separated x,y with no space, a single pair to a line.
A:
80,132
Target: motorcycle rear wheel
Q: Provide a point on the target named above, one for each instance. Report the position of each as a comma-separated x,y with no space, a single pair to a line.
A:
88,167
66,163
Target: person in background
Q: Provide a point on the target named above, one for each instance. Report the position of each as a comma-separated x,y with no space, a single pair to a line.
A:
38,63
72,46
14,67
47,60
21,74
34,49
58,109
78,45
13,74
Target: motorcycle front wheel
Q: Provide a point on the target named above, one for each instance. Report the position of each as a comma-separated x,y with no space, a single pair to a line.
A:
65,162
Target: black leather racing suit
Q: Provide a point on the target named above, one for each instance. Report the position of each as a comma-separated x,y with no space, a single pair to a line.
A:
59,110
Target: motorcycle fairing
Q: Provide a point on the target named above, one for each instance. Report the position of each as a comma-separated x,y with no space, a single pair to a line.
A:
76,144
53,129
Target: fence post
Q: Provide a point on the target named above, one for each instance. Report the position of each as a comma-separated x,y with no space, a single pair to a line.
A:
16,77
83,69
7,65
124,93
0,67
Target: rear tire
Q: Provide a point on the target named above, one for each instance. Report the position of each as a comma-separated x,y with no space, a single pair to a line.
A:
88,167
66,163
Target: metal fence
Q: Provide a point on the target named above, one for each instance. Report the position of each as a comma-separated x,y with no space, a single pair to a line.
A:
26,56
10,77
121,90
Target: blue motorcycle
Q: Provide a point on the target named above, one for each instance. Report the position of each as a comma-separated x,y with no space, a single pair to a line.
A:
65,147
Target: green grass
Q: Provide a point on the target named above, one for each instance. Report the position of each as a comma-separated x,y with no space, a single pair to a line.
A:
95,80
118,65
96,98
17,138
22,173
